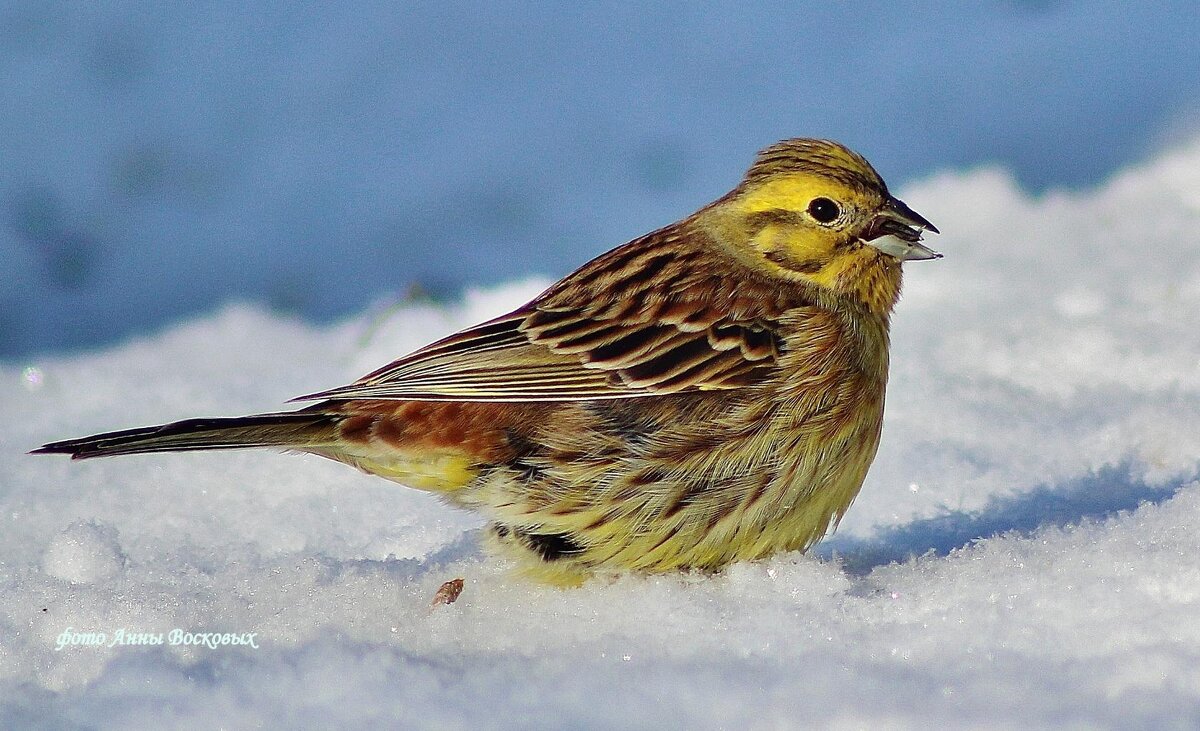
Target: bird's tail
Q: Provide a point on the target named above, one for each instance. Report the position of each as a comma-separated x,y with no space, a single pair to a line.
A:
292,430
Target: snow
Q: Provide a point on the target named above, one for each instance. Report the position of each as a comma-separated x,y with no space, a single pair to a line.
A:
1022,555
84,553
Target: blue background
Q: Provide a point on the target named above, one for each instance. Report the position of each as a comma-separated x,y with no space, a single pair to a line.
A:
159,159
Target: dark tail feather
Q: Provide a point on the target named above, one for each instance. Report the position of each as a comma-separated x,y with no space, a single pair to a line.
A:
296,429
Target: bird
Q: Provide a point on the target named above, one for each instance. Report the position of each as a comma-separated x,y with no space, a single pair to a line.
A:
707,393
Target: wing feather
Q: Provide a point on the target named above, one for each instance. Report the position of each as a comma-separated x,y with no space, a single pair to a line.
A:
682,321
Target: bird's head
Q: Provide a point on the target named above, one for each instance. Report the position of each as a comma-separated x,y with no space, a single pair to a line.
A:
814,211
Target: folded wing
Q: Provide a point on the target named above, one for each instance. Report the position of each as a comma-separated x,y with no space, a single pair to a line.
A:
651,317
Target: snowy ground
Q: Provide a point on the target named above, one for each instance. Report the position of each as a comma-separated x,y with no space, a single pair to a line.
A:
1023,555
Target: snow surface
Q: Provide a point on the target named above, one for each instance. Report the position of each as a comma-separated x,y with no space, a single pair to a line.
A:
1023,554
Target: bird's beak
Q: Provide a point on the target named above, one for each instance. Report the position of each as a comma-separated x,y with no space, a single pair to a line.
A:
896,231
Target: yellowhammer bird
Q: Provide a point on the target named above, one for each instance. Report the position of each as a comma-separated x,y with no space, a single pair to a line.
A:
707,393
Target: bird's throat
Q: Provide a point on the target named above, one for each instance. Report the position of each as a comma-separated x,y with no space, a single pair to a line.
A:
866,277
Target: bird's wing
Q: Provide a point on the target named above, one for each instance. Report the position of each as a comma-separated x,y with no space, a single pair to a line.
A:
642,320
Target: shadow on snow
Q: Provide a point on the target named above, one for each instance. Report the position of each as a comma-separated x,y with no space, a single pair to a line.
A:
1102,494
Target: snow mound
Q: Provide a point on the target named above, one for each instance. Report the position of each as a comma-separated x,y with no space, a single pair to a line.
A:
84,553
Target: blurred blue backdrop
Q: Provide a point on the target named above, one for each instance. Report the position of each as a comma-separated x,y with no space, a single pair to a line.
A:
157,159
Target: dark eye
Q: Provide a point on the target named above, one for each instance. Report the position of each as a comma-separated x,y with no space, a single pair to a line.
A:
823,210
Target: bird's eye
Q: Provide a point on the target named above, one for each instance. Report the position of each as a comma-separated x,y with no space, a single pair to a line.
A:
823,210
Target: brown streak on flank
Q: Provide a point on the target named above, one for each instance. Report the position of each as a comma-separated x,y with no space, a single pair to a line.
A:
562,509
482,430
599,521
668,536
623,420
392,432
569,456
842,419
357,428
647,476
679,501
635,485
765,477
723,509
522,443
698,446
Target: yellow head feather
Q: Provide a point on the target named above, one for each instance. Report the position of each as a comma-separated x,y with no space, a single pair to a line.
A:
805,212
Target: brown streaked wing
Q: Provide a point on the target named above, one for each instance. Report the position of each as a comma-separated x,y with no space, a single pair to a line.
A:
493,361
690,330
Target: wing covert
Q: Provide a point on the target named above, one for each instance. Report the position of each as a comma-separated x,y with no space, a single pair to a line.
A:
677,324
